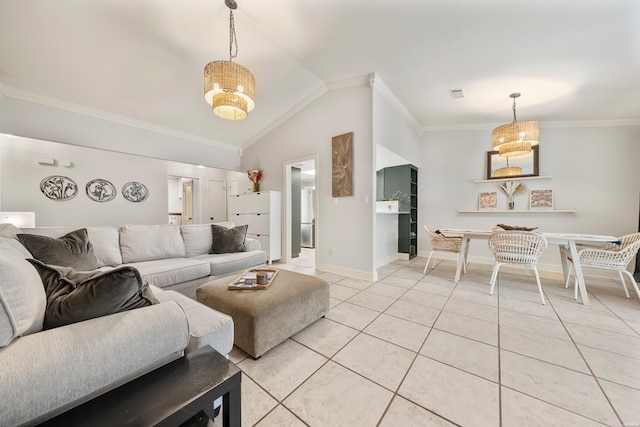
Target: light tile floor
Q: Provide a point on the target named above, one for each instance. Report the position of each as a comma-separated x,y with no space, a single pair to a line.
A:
417,350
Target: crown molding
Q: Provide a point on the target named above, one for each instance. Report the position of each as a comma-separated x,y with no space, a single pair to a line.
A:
326,87
543,124
372,80
377,83
286,116
23,95
591,123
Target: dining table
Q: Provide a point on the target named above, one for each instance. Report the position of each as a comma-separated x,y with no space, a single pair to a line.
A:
565,241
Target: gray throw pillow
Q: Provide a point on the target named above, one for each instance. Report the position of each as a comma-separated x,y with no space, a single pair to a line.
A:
71,250
228,240
74,296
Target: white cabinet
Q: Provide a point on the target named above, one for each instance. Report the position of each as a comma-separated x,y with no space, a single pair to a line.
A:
261,211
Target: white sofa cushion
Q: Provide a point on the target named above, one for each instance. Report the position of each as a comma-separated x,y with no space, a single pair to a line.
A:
22,297
197,237
104,239
206,325
12,246
9,230
225,264
150,242
106,245
166,272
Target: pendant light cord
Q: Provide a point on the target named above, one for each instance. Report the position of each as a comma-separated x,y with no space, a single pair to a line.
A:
233,42
514,107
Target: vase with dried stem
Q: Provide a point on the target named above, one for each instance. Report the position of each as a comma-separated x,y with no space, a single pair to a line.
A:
510,188
255,176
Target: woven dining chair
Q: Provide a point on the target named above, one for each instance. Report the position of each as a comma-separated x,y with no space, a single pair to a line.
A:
442,243
610,256
518,248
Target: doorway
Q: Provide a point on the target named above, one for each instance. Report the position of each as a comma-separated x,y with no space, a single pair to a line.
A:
183,200
301,212
217,201
187,202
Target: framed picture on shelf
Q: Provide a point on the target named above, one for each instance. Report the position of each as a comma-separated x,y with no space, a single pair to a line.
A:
488,200
541,200
513,167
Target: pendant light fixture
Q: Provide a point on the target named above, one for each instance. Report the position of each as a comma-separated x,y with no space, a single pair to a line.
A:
507,171
516,138
229,87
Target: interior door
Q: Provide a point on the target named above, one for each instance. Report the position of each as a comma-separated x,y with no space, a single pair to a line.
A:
217,201
187,202
296,188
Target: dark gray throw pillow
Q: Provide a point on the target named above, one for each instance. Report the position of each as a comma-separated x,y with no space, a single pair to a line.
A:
71,250
74,296
228,240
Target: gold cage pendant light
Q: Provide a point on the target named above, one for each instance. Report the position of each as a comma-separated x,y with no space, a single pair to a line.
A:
229,87
515,138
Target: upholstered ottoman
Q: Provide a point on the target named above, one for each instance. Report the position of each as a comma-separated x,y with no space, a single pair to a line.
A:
264,318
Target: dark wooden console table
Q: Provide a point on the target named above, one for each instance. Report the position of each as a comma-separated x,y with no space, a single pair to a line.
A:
167,396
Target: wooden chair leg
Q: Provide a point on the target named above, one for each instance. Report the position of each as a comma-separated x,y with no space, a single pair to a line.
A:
494,276
633,282
624,285
566,284
535,273
427,264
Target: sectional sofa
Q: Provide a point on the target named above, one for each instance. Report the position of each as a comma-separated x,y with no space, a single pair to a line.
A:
46,372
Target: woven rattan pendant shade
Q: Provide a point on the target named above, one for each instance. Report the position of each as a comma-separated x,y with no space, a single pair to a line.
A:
515,138
230,89
507,171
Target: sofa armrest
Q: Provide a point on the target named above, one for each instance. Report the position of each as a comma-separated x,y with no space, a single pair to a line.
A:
49,372
252,244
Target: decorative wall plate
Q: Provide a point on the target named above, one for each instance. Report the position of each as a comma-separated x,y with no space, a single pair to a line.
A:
135,192
58,187
100,190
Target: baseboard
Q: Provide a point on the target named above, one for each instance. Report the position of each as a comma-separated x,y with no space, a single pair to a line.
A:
390,259
349,272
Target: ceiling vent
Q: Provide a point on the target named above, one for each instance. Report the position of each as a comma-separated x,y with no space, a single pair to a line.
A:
456,93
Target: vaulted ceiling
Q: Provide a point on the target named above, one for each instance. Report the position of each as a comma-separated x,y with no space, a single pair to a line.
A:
144,59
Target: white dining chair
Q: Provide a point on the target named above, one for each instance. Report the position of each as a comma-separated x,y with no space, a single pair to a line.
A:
518,248
611,256
442,243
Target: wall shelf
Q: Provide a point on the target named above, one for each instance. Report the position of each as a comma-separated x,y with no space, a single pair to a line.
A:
513,211
524,178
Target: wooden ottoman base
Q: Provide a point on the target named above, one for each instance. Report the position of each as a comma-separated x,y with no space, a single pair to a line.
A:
264,318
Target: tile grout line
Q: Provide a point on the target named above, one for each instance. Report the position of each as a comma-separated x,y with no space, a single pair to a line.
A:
395,393
584,359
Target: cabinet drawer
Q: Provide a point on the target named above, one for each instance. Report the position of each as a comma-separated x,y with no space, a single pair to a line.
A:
259,223
237,204
264,240
258,202
238,218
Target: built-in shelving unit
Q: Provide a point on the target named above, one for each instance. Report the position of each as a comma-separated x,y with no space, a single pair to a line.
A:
515,211
524,178
402,181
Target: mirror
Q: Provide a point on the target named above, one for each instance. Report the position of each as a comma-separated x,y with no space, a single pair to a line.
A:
528,163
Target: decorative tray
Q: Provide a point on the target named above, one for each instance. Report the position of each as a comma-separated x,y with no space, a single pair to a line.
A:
248,279
515,228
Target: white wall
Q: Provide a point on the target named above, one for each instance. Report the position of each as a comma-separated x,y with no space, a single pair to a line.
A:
398,141
343,224
20,176
32,120
593,169
393,131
